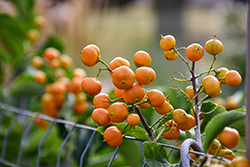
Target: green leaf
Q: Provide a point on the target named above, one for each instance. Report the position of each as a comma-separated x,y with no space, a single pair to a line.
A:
209,115
208,107
136,131
25,85
155,154
14,46
240,125
217,124
24,7
56,43
12,25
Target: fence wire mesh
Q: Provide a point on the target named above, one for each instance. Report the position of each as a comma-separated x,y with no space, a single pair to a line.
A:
18,112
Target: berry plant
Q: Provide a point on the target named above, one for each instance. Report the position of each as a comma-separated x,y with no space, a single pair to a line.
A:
210,131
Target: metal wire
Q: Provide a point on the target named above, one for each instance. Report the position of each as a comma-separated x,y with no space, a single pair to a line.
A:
26,132
113,157
42,141
63,144
86,148
6,136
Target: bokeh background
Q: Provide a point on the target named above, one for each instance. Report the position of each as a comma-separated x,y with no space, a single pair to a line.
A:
121,28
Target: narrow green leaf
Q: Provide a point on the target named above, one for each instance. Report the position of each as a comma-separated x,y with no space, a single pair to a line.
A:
210,115
240,125
216,125
155,154
208,107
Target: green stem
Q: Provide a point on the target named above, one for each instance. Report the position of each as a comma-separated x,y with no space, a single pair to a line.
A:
179,80
158,120
167,97
104,63
123,130
183,59
159,135
211,67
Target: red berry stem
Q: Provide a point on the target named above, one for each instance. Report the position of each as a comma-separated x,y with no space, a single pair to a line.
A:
145,124
197,112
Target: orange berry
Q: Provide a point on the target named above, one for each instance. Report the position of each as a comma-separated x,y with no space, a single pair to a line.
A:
142,59
101,117
33,35
118,93
90,55
167,42
156,98
117,62
229,137
214,147
170,55
134,94
145,75
91,86
40,77
133,119
211,86
37,62
188,124
173,131
220,101
226,153
123,77
101,100
51,53
194,52
66,61
165,108
240,162
190,91
233,78
180,116
54,64
81,108
80,97
59,73
40,21
118,112
75,85
113,136
214,46
232,103
220,75
79,72
41,123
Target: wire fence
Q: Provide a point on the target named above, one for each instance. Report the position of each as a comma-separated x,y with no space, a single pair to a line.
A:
18,112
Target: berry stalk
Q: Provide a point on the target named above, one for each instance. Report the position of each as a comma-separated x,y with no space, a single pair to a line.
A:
145,124
197,112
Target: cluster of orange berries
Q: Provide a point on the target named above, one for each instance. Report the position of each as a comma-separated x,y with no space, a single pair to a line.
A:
211,84
226,140
128,90
34,34
65,79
